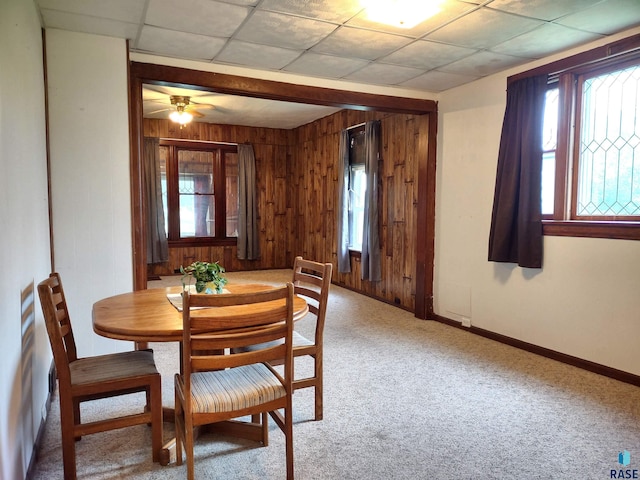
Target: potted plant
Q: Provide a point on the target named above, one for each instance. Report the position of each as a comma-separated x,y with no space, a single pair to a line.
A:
208,276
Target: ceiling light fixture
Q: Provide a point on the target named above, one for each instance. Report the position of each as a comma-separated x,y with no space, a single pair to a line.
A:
401,13
180,115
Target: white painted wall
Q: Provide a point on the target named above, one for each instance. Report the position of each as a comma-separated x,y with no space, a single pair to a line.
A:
89,147
24,239
583,302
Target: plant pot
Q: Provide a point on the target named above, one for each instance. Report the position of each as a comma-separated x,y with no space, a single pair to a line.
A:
207,287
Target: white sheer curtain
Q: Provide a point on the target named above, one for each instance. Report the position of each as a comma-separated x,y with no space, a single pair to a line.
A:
248,240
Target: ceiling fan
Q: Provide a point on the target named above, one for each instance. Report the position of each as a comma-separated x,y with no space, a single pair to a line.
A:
180,115
183,109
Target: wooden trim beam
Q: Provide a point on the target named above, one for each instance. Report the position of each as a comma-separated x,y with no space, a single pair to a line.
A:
272,90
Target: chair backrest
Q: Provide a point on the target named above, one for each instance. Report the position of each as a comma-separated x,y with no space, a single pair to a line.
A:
56,318
214,323
311,281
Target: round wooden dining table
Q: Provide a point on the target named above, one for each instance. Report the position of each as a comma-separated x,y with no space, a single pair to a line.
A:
148,315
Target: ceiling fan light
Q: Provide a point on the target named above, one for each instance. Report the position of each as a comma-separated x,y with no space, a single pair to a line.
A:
401,13
181,117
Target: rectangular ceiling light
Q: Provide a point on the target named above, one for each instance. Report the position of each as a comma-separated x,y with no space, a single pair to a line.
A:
401,13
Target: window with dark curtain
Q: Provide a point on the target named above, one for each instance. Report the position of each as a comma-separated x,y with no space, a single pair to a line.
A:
248,228
516,221
358,225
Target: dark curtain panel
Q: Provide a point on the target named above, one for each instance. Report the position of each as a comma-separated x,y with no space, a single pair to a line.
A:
371,261
344,262
157,246
248,239
516,222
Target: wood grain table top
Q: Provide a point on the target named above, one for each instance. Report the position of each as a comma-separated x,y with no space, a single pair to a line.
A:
148,316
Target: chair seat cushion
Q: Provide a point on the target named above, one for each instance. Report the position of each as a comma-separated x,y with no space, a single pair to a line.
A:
113,366
298,341
234,388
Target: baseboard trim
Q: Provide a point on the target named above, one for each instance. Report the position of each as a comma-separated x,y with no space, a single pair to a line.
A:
614,373
395,303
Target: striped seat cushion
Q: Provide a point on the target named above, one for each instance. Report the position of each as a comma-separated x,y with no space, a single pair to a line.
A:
234,389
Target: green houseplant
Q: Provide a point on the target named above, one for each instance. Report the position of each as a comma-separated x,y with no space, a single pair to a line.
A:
208,276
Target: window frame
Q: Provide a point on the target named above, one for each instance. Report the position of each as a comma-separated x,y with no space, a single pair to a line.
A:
353,133
220,194
566,74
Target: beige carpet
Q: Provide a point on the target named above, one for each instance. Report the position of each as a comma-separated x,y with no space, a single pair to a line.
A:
404,399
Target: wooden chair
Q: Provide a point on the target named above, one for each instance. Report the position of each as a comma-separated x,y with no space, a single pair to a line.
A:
311,281
215,386
91,378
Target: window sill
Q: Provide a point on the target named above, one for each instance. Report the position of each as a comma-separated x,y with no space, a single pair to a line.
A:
203,242
592,229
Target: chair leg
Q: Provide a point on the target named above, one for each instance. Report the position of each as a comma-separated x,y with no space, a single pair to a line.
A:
179,428
67,425
318,386
188,447
265,429
154,401
288,432
77,420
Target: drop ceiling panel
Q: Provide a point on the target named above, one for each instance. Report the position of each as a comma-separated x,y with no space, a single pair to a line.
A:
128,11
427,55
262,56
542,9
179,44
319,65
381,74
606,17
483,28
282,30
544,40
214,19
481,64
338,11
436,81
95,25
358,43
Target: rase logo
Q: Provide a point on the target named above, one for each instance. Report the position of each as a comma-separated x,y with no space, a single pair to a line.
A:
624,459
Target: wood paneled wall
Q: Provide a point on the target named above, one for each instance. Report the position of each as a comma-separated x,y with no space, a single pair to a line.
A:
297,193
271,150
314,183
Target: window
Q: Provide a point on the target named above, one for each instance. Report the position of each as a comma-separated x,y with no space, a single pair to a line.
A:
591,150
609,145
549,144
357,187
200,192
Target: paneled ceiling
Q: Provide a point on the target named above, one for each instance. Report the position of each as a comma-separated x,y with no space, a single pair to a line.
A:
334,39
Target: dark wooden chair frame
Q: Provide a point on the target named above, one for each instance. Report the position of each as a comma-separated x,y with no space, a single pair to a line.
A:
91,378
